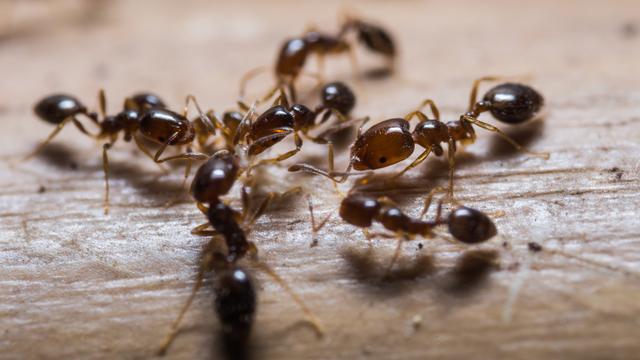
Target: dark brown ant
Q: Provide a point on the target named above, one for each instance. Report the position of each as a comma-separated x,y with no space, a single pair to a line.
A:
282,120
213,179
143,114
391,141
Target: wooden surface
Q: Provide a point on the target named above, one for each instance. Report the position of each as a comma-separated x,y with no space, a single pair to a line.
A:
77,284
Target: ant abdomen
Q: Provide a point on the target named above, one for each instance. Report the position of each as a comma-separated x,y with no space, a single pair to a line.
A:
56,108
383,144
513,103
162,125
215,178
376,39
359,210
292,57
471,226
235,305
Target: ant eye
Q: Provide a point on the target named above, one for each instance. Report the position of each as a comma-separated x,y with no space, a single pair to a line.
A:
382,160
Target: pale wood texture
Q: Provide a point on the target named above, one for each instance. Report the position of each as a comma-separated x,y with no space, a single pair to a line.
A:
78,284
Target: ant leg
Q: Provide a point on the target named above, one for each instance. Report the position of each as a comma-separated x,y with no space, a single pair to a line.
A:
474,89
415,162
427,203
146,151
451,150
418,110
315,228
339,126
311,318
248,76
484,125
48,139
184,156
245,124
202,207
204,266
105,168
211,123
201,230
282,157
396,255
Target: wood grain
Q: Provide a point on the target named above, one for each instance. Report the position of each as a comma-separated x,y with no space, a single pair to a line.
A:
78,284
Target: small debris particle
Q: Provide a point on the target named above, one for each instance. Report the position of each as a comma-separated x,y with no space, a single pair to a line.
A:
420,246
416,322
73,166
41,189
534,246
314,243
505,244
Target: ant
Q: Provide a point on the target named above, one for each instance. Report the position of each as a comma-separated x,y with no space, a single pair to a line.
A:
143,113
212,180
295,51
282,120
391,141
374,37
465,224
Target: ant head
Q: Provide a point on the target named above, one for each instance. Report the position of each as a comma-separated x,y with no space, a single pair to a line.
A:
232,119
303,117
56,108
513,103
337,95
470,225
430,133
382,145
359,209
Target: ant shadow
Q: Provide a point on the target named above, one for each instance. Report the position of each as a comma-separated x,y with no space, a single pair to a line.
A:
524,135
470,273
468,276
363,266
64,158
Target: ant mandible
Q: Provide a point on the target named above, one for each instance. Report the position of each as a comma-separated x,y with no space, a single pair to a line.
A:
143,113
391,141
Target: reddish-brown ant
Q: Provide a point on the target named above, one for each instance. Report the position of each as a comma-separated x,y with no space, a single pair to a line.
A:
143,113
295,51
391,141
465,224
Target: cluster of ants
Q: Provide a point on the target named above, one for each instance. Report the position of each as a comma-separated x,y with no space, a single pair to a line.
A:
231,144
